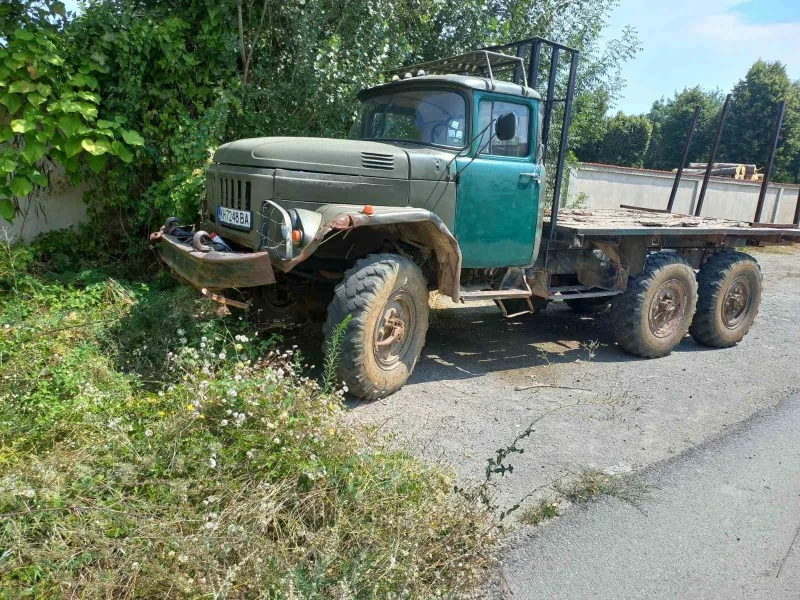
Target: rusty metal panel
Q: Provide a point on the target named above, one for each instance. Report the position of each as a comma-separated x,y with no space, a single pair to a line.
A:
215,270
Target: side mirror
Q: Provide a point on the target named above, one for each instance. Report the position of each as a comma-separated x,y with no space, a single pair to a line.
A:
506,126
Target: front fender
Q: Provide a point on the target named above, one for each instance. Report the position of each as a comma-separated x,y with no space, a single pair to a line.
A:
420,226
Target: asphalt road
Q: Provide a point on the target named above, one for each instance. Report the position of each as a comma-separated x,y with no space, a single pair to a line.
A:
483,379
721,522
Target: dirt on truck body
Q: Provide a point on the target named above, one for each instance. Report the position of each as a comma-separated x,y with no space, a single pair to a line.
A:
441,187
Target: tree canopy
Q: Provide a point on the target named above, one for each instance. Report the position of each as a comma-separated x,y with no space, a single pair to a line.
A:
191,74
745,136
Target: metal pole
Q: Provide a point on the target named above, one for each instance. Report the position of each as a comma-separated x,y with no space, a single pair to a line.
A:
533,65
548,105
711,155
562,148
518,68
797,210
679,174
773,145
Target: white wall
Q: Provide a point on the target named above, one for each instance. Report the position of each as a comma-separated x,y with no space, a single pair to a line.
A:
62,207
606,186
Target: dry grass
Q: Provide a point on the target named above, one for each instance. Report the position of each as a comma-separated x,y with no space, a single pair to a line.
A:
150,449
789,249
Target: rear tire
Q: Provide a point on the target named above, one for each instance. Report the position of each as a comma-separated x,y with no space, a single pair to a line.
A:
588,306
729,289
386,297
653,315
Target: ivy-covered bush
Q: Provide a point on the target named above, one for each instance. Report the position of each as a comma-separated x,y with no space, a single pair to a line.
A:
49,117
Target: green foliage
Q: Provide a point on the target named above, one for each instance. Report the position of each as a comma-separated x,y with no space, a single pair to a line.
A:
626,140
150,448
618,140
542,511
671,119
48,117
331,366
753,113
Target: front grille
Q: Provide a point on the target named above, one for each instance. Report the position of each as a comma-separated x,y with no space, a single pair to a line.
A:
375,160
230,192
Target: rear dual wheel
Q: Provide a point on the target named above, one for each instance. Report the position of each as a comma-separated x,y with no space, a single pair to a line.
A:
654,313
729,295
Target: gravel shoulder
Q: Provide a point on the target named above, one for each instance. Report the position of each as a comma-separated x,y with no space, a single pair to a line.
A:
483,379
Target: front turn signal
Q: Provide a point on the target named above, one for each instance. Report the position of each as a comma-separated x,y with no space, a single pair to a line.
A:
297,236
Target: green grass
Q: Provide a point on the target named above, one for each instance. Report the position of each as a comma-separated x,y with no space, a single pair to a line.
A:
591,485
151,447
544,510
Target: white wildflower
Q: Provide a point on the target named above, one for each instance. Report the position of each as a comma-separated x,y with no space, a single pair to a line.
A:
224,422
212,462
222,355
148,433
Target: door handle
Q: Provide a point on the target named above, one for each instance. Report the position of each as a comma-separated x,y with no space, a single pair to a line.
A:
535,176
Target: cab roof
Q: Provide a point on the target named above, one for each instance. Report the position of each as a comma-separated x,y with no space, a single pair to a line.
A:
463,81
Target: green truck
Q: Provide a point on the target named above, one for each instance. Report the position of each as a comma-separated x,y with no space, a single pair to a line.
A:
441,187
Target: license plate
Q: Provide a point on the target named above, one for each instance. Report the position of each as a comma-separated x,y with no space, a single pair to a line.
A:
239,219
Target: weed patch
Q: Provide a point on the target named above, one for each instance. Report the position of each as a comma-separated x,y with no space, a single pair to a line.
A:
591,485
544,510
150,447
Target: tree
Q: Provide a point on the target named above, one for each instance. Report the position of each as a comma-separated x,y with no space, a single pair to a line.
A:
626,140
752,118
671,119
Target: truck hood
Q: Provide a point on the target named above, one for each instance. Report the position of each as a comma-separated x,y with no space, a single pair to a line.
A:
320,155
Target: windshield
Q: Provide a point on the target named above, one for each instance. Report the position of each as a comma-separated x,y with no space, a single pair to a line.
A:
431,117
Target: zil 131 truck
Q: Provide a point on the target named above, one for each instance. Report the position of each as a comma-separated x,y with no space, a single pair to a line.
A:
441,187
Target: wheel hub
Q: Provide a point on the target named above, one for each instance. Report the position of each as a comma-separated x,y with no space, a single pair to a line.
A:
391,340
736,302
667,308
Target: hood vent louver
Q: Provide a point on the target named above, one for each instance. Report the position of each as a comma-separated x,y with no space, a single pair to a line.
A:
375,160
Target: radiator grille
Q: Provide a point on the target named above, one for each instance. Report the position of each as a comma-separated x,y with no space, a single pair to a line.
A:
230,192
375,160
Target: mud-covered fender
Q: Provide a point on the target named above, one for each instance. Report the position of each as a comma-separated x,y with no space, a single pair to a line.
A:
416,225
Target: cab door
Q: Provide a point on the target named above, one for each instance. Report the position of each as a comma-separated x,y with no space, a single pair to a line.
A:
497,197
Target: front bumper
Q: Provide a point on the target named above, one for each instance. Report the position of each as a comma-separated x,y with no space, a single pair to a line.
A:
213,270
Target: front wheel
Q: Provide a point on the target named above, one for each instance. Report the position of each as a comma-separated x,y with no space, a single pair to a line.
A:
729,286
653,315
386,297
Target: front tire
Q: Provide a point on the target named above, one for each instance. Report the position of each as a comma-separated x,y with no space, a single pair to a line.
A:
729,288
653,315
386,297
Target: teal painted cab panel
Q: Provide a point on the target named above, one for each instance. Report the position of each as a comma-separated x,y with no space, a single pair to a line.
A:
497,198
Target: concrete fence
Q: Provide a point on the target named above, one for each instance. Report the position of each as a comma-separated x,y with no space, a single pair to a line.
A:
60,208
607,186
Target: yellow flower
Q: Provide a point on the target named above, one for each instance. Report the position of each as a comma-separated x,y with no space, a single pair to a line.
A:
190,407
161,413
202,416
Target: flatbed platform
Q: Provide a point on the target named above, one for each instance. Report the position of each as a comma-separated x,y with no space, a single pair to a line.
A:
630,222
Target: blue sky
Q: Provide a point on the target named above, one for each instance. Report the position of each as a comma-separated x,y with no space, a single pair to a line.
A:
710,43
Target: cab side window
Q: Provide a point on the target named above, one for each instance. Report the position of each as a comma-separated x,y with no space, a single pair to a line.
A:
517,146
